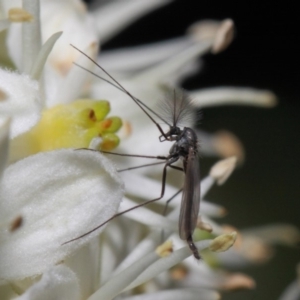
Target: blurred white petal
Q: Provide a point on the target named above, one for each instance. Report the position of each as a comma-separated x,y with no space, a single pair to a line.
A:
223,169
137,184
160,73
178,294
4,144
119,282
136,58
85,263
114,16
166,263
278,233
212,209
31,35
38,65
224,36
58,282
71,86
146,216
233,96
148,244
222,143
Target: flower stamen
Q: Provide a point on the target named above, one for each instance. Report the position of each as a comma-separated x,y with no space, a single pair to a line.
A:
72,125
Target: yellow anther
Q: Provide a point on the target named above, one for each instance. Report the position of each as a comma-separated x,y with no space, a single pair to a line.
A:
19,15
72,125
110,141
223,242
109,125
165,249
101,107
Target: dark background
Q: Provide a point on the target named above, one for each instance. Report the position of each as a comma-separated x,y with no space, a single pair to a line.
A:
263,55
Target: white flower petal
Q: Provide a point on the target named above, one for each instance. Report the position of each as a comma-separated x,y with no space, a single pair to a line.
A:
146,216
166,263
31,35
161,72
22,102
137,184
117,283
85,264
4,143
147,245
221,170
71,86
147,188
224,36
72,18
59,195
211,209
233,259
277,233
114,16
233,95
40,61
78,28
206,184
116,242
222,143
202,275
178,294
14,34
7,5
173,69
136,58
58,282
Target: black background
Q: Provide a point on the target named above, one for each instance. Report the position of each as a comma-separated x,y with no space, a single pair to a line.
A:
263,55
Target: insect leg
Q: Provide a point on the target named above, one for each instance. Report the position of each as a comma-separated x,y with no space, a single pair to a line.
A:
169,200
123,154
141,166
164,176
165,210
193,247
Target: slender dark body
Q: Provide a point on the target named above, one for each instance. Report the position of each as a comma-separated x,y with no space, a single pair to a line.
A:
186,148
177,107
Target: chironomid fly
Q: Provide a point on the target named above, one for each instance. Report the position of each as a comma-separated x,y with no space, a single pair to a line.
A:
185,147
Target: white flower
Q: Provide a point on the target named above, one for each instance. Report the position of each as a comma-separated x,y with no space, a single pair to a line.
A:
50,198
144,70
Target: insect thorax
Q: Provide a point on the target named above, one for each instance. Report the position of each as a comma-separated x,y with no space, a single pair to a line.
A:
186,140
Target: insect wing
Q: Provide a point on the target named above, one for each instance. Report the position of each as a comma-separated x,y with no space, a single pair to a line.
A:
190,197
176,108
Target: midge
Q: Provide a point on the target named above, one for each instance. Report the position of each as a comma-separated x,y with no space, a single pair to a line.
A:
177,106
